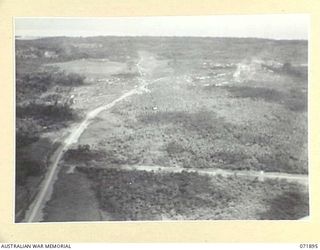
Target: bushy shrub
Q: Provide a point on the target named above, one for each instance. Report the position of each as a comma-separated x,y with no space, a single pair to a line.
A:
174,148
268,95
83,153
34,83
53,112
290,205
143,195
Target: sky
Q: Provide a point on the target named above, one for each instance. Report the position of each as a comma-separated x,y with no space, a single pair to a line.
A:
277,26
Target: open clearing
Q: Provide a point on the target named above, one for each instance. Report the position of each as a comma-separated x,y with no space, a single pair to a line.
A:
91,67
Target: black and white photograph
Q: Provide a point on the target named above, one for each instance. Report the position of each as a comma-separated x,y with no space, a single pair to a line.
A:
161,118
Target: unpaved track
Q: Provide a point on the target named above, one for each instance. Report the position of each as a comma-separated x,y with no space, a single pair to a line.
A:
302,179
34,213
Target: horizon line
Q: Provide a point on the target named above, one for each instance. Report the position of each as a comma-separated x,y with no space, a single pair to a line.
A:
153,36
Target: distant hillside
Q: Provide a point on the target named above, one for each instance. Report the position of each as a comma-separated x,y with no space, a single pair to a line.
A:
119,48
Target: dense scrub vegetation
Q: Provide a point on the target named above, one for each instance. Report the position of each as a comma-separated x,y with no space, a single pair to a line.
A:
291,204
83,154
199,117
32,159
289,69
294,100
46,115
204,140
142,195
42,105
30,85
34,116
198,124
180,48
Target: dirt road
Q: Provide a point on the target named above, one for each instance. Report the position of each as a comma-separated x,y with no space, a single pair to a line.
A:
34,213
302,179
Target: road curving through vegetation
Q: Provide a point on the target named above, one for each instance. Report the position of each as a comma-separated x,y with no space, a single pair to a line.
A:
34,213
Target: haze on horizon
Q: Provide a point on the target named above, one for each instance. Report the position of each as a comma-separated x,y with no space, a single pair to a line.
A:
275,26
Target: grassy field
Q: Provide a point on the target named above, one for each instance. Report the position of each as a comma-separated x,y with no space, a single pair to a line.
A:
234,104
91,67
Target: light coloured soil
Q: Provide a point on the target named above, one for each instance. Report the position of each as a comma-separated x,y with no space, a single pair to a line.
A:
91,67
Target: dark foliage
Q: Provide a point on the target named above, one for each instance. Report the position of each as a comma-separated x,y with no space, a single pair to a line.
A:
55,113
83,153
294,100
290,205
143,195
31,84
